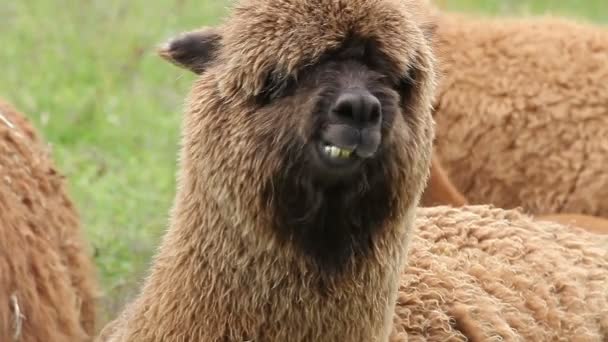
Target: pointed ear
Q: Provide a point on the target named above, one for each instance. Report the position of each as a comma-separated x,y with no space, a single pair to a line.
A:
193,50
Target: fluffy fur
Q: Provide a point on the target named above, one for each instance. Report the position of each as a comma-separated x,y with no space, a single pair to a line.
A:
47,281
480,273
257,249
522,112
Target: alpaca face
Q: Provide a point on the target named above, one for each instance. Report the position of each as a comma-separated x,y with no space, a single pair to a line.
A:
340,153
339,114
344,105
329,133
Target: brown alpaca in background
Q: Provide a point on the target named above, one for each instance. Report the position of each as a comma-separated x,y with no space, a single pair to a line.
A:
47,280
479,273
525,76
522,112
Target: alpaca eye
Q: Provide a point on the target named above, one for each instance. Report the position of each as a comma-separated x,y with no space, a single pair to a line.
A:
276,88
407,84
408,81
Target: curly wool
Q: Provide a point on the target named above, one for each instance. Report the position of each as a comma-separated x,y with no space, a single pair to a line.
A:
47,283
522,112
481,273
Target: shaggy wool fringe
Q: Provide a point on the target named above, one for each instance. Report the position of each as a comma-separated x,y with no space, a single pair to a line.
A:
47,281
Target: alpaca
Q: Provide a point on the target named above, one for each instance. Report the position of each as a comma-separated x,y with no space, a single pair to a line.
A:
306,144
481,273
47,282
522,112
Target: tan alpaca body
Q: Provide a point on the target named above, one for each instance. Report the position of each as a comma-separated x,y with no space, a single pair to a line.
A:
522,112
47,282
480,273
237,262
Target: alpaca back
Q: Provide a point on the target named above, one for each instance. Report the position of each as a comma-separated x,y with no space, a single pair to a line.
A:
47,282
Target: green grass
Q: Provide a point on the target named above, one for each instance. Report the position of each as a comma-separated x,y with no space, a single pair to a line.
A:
86,73
593,10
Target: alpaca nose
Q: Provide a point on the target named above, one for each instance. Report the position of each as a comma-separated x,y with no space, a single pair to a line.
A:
357,108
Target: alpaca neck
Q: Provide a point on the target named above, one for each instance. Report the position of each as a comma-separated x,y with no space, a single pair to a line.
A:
211,281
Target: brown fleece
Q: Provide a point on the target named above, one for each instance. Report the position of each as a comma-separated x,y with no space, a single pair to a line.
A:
223,271
487,274
522,112
47,280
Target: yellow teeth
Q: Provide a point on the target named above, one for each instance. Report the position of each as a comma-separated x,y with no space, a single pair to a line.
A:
336,152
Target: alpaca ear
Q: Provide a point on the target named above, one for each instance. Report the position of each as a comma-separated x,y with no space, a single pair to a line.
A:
193,50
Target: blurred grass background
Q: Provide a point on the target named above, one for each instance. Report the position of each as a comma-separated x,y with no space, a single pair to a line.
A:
86,73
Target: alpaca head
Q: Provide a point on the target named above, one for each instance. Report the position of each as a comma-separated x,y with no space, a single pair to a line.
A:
310,118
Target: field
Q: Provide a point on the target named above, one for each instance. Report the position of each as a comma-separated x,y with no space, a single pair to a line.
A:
87,74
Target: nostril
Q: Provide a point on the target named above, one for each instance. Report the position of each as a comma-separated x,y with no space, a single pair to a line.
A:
375,109
357,108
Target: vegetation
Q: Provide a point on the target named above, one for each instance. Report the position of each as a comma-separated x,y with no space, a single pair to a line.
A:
87,74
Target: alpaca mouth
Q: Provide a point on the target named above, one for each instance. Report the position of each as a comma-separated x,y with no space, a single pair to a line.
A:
336,155
335,159
341,149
